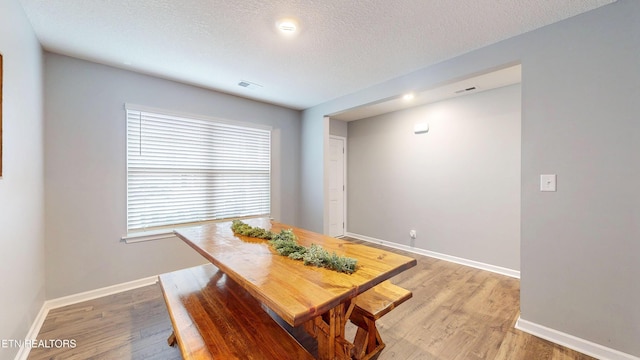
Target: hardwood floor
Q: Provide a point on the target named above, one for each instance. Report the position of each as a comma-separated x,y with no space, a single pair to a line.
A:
456,313
128,325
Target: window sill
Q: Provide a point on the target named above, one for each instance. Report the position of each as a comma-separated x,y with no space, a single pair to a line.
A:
143,236
167,232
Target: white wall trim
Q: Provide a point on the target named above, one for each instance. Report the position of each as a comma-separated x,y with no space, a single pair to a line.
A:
166,232
344,181
23,352
48,305
584,346
142,237
475,264
94,294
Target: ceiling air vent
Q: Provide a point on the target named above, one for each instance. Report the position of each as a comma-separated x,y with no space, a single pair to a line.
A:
249,85
465,90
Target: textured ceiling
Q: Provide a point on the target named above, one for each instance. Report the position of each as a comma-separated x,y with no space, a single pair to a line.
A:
343,46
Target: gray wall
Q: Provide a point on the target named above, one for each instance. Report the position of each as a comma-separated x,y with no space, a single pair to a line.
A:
338,128
579,245
85,182
21,187
314,138
458,185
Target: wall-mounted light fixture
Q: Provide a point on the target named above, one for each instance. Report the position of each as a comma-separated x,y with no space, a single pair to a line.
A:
420,128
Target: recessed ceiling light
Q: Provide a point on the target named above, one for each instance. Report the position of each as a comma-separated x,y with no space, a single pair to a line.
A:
408,97
287,26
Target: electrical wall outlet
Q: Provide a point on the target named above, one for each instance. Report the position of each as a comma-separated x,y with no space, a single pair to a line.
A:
413,234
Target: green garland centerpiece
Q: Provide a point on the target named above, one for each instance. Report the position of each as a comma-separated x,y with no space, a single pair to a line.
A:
286,244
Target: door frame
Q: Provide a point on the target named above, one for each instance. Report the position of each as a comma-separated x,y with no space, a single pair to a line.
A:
344,180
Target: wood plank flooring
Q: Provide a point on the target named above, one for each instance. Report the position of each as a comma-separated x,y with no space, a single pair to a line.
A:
456,313
129,325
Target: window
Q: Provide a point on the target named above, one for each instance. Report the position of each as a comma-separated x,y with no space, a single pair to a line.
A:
184,169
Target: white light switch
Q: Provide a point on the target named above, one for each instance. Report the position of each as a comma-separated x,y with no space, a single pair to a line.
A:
548,182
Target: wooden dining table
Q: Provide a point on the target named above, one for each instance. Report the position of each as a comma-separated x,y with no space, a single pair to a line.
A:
319,299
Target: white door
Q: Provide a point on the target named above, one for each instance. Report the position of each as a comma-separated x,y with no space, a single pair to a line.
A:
337,186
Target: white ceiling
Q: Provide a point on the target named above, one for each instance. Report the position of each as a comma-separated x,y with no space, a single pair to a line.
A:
343,46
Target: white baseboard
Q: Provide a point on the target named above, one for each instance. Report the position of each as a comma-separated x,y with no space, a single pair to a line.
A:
48,305
475,264
94,294
23,352
584,346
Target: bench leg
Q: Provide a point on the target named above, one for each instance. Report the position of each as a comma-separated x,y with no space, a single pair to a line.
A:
172,339
368,342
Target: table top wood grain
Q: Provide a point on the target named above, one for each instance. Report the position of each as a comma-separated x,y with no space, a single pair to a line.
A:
294,291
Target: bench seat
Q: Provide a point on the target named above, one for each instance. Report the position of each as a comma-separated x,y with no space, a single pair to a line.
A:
370,306
215,318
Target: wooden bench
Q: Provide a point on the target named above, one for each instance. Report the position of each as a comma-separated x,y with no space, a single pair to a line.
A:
370,306
215,318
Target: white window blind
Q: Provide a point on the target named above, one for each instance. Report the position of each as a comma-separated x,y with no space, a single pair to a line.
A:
182,170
